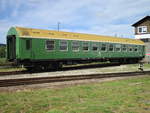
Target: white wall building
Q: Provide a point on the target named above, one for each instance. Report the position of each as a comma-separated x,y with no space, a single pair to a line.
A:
142,32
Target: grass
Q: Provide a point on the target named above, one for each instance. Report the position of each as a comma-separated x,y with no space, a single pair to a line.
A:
122,68
147,65
122,96
4,62
11,69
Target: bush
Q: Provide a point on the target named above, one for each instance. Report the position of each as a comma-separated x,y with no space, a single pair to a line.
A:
2,52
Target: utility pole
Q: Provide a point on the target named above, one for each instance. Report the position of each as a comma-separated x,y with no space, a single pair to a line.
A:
58,25
115,35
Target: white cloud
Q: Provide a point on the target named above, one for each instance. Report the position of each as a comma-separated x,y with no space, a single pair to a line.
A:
107,17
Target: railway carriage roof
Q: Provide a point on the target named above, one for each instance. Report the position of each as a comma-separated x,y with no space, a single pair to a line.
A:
50,34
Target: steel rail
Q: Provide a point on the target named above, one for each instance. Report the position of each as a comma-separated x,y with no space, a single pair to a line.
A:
39,80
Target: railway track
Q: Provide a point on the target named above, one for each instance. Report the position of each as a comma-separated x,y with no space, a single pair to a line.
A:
39,80
13,73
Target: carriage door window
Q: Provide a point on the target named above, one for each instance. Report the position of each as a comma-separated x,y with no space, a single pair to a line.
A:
28,44
50,44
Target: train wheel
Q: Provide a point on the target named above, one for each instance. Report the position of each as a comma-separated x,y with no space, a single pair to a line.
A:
36,68
57,65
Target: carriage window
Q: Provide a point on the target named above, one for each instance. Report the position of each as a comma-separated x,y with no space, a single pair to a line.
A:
85,46
28,44
50,44
111,47
103,48
124,48
95,47
130,48
75,46
63,45
136,48
118,47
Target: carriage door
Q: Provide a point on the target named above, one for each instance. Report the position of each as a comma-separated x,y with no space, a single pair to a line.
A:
28,47
11,47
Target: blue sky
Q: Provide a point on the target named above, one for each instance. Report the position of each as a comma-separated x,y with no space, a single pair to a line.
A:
103,17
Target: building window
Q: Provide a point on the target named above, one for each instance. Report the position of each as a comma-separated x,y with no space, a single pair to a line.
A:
124,48
111,47
95,47
63,45
28,44
142,29
103,47
75,46
85,46
118,47
50,44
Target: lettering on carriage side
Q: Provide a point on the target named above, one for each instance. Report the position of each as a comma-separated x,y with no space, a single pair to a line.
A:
36,32
25,33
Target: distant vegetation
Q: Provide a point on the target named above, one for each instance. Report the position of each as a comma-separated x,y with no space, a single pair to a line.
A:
2,45
2,50
3,55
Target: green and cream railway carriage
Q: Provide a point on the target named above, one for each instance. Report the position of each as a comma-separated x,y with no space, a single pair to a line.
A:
44,48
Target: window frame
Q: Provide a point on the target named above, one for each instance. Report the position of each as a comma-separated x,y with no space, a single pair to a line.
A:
118,47
130,47
61,45
75,46
102,47
109,47
47,47
142,28
88,45
93,45
122,48
135,47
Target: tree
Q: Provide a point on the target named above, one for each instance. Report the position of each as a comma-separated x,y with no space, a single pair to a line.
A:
2,52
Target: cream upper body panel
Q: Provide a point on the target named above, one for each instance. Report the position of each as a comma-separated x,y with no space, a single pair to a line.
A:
50,34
